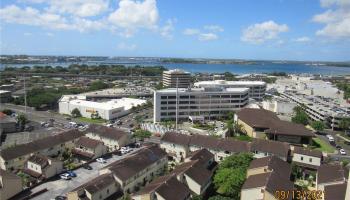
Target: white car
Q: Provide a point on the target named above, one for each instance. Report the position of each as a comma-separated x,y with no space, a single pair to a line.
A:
109,125
342,151
65,176
330,138
101,160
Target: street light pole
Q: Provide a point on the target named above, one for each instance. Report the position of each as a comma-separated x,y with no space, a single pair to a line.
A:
177,93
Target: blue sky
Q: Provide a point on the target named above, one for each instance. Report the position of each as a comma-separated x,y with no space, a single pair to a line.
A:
242,29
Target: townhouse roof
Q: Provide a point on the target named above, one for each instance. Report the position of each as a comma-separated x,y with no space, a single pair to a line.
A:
97,183
39,159
281,127
258,118
271,181
274,164
152,186
330,173
82,153
274,147
308,152
335,192
172,189
88,142
107,132
130,166
176,138
261,118
199,173
37,145
202,155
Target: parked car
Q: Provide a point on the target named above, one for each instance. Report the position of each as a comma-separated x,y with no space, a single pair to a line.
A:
101,160
109,125
330,138
65,176
338,146
60,198
71,173
342,151
86,166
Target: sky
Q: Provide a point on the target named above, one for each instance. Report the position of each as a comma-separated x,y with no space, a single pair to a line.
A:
231,29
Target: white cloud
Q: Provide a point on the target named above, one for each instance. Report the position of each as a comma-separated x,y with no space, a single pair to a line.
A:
81,8
214,28
262,32
132,15
167,30
207,37
336,21
126,47
191,31
302,39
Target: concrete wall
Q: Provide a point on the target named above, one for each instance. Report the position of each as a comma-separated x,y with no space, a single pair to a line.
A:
56,167
252,194
180,151
310,160
10,187
260,170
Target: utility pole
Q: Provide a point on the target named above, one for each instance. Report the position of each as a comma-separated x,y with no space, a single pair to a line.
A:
25,95
177,93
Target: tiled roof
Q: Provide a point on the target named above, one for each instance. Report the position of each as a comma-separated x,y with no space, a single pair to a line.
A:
88,142
107,132
330,173
273,147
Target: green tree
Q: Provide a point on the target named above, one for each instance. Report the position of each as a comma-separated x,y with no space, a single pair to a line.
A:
318,125
197,197
231,175
76,113
142,134
219,197
7,111
21,120
98,85
300,116
344,123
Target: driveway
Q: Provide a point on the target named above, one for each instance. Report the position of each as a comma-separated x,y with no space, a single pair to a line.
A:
61,187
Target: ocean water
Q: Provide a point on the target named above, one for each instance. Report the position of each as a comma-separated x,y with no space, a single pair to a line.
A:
262,67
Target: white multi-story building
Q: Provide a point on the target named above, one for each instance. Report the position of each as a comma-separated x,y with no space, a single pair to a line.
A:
182,78
106,110
257,89
206,102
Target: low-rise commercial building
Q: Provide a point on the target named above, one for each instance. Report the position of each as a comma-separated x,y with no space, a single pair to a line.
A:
176,78
279,106
5,96
111,137
42,167
15,157
257,89
10,184
206,102
260,123
138,169
88,149
89,109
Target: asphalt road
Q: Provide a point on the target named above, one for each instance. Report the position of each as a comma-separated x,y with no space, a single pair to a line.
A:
61,187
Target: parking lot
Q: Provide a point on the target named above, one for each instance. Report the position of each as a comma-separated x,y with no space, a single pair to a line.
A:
60,187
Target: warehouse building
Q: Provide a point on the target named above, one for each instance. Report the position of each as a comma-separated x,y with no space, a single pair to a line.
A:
257,89
205,102
106,110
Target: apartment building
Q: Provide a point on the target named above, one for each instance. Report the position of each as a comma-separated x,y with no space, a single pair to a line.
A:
15,157
99,188
111,137
194,176
176,77
138,169
319,108
42,167
260,123
257,89
87,148
205,102
10,184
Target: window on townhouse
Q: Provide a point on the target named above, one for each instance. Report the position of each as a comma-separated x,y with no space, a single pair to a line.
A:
301,158
310,159
107,191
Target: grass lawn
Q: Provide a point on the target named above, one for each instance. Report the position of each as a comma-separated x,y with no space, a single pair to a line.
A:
321,145
93,121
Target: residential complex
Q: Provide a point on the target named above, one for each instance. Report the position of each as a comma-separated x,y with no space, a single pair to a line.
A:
256,88
205,102
106,110
320,108
176,78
